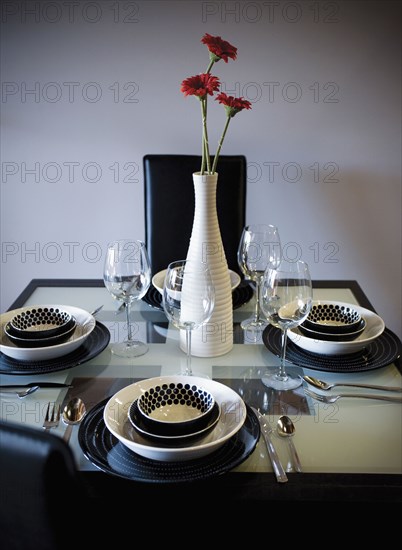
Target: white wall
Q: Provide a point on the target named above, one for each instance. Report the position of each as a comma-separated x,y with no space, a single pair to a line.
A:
107,91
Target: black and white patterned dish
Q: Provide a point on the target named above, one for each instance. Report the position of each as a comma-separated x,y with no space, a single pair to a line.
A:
382,351
332,317
39,342
137,421
108,454
40,322
85,324
240,296
373,329
175,408
96,342
333,337
233,414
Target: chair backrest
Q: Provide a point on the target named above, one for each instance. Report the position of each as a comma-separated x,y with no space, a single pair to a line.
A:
39,483
169,205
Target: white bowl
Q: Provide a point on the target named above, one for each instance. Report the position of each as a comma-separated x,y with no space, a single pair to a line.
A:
159,278
375,326
233,415
85,324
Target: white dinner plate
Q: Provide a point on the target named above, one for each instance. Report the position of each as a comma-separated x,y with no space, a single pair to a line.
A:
233,415
374,328
85,325
159,278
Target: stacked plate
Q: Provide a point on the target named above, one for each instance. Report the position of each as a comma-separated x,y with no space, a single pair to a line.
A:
195,419
41,332
174,413
37,327
337,328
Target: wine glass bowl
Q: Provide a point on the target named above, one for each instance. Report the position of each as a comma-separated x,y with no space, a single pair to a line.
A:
127,277
286,302
259,248
188,298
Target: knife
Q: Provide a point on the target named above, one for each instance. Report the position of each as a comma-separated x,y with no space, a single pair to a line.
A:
16,387
273,455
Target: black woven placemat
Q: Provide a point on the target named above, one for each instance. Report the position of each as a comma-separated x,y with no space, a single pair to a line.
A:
240,296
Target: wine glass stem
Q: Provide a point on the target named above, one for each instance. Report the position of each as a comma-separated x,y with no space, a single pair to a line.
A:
257,299
282,371
129,334
188,345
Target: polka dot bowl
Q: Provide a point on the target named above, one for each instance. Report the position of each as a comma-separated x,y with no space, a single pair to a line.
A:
333,318
175,408
40,323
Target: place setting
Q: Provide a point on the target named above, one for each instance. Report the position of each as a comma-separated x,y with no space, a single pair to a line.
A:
170,429
337,337
242,291
46,338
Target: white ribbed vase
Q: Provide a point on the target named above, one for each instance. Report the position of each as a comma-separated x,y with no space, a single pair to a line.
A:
215,337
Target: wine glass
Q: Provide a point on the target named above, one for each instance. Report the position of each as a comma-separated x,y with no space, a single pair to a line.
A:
188,298
259,247
127,276
286,301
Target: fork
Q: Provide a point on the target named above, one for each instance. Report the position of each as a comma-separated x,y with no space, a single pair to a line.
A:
333,398
52,417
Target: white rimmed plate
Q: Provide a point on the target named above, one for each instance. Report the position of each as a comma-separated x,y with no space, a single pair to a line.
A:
233,415
374,328
159,278
85,325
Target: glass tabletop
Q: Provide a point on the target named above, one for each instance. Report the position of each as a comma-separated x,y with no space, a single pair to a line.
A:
352,436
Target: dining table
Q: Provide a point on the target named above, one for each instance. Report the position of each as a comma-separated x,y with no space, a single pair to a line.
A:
350,450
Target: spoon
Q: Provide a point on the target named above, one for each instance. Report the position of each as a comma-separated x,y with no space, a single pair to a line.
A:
73,413
319,384
286,429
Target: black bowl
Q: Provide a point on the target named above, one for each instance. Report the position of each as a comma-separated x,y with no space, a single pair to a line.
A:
175,408
136,419
39,342
40,322
333,337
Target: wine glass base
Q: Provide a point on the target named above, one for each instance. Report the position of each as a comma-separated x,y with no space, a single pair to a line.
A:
279,383
128,349
253,325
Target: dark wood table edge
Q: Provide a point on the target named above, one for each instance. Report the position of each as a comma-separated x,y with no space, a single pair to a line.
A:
243,486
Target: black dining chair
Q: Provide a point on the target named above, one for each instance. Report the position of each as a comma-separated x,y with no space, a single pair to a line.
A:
169,205
40,489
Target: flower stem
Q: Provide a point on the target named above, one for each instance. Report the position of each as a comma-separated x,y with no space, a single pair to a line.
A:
220,144
205,149
210,66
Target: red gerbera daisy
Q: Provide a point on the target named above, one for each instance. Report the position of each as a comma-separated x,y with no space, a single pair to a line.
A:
220,49
200,85
233,104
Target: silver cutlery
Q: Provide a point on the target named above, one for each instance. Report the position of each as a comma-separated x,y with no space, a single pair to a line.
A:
120,308
95,311
52,417
321,385
32,384
22,390
266,431
73,413
286,428
333,398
